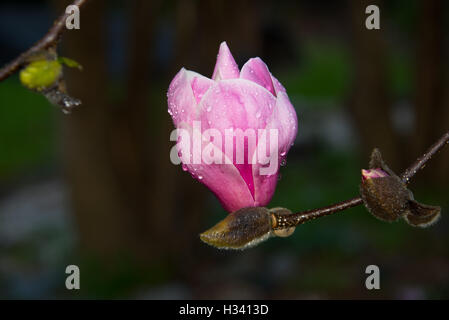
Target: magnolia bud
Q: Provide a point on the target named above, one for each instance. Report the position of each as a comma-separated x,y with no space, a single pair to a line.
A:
248,227
241,229
386,196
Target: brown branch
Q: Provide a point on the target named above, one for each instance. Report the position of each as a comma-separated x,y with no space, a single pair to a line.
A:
421,161
287,221
50,39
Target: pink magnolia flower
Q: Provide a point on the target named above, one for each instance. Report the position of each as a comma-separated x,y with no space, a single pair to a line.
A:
250,98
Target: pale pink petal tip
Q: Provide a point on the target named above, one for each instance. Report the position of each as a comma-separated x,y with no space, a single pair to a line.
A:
225,67
256,71
373,174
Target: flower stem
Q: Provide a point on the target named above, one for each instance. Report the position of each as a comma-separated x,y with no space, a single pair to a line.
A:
287,221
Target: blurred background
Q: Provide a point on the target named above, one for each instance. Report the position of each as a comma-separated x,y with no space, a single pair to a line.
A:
96,188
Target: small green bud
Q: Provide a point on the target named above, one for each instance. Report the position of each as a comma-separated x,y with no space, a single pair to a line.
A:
41,74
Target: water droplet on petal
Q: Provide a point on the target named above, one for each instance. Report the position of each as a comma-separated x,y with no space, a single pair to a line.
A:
184,167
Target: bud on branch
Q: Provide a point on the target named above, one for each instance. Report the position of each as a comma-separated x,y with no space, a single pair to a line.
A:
383,193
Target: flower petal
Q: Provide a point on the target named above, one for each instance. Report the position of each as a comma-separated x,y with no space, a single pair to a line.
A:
224,180
225,67
278,87
199,86
182,104
264,186
256,71
285,122
238,104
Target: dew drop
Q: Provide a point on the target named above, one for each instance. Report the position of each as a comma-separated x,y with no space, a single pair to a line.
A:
283,162
184,167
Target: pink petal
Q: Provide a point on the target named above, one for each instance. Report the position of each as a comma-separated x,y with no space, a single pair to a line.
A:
238,104
256,71
265,185
224,180
285,121
373,174
182,104
225,67
199,86
278,87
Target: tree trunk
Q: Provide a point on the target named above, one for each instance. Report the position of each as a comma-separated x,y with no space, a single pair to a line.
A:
99,209
370,105
431,105
115,165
